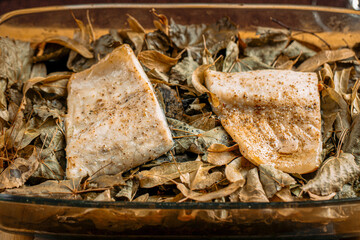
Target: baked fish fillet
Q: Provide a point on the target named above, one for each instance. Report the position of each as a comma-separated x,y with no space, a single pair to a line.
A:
114,121
274,116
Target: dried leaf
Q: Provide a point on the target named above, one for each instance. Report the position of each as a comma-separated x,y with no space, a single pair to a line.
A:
158,41
203,179
49,167
154,59
325,56
352,143
108,181
296,49
218,148
273,180
355,99
182,72
333,174
341,81
71,44
129,190
134,24
192,37
315,197
198,81
333,104
168,171
285,195
173,105
18,172
205,121
269,46
235,172
205,197
137,39
104,197
347,191
232,53
253,190
50,188
221,158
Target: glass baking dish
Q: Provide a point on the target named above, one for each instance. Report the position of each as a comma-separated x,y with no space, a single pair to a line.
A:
59,218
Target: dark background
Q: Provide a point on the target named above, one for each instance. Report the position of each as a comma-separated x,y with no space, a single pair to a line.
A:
10,5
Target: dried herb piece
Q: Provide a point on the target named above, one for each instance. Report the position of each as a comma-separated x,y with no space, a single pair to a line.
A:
154,59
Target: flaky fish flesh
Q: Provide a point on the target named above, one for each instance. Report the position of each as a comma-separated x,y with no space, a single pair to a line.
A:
274,116
114,121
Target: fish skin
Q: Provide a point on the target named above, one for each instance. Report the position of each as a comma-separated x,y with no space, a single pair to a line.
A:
114,121
274,116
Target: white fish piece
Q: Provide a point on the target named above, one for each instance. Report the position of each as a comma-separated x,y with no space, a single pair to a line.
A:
114,121
274,116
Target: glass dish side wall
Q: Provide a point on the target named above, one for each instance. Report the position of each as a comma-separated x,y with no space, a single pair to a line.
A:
51,216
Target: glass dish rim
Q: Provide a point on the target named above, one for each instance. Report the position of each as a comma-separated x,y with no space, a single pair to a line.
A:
174,205
6,16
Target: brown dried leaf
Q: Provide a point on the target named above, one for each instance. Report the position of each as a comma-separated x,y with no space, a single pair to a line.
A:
134,24
198,81
71,44
355,99
311,64
253,190
315,197
333,174
204,179
205,197
352,143
234,171
129,190
218,148
168,171
104,197
50,188
285,195
273,180
19,172
137,39
221,158
108,181
154,59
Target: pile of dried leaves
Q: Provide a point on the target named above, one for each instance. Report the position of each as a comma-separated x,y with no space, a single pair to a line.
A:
205,164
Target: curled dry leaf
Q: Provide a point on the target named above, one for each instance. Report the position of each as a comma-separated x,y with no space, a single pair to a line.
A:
165,172
198,81
253,190
71,44
333,174
154,59
315,197
235,172
134,24
325,56
128,191
205,197
19,171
